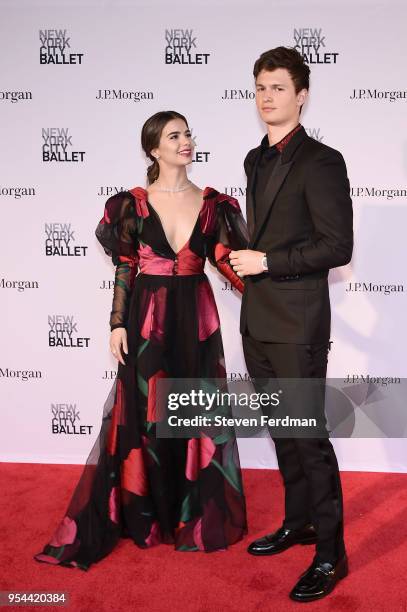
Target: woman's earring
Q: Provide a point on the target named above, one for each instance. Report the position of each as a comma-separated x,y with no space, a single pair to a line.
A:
157,157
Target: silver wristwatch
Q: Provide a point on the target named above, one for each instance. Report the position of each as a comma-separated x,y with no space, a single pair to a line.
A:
264,263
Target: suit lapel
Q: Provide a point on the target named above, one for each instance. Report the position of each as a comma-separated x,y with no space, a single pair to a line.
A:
275,182
249,194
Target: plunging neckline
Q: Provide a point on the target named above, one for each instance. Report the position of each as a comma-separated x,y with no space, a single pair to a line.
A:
176,253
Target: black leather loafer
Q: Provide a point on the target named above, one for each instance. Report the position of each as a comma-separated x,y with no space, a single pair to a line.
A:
282,539
319,580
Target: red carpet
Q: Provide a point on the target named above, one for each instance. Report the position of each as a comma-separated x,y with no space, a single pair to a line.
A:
34,498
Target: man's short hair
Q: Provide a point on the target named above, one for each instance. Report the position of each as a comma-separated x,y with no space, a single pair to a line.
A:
285,57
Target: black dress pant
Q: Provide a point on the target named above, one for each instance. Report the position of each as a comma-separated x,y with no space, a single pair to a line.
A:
308,466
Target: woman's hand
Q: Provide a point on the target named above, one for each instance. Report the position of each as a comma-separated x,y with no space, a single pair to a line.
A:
118,338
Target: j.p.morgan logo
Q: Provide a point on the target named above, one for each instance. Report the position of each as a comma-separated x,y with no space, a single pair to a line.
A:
59,241
20,375
109,190
64,420
124,95
18,285
378,192
63,332
15,96
383,381
57,146
109,374
310,42
235,191
17,192
180,48
56,48
386,95
238,94
234,376
107,284
384,289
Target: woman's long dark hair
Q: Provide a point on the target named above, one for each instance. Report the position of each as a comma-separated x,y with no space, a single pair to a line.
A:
150,138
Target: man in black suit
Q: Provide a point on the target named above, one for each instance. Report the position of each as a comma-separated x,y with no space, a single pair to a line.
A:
299,214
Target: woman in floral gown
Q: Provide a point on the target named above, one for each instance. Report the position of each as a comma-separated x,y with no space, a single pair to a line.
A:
164,323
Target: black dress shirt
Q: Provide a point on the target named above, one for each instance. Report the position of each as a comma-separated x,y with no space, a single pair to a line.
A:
268,159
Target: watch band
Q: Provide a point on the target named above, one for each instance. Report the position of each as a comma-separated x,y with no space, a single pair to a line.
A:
265,263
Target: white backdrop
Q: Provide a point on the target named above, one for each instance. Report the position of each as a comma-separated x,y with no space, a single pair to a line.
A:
357,104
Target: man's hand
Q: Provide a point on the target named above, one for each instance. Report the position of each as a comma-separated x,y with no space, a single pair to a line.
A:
247,262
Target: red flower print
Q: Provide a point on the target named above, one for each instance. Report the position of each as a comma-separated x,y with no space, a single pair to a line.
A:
155,410
65,533
116,418
154,318
198,535
133,473
208,318
207,451
199,455
154,536
192,463
114,504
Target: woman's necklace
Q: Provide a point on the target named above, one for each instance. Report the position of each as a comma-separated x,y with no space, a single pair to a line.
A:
177,189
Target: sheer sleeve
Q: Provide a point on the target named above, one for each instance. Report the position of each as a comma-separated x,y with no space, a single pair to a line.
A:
117,233
230,235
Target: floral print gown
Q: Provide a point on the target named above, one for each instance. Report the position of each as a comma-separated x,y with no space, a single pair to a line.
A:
185,492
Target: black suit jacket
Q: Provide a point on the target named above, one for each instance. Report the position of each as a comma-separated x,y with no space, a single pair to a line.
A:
306,229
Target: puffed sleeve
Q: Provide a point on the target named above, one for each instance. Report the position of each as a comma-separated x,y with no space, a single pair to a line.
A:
230,235
117,233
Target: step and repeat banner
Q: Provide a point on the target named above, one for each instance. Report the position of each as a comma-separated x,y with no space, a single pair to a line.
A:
78,80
